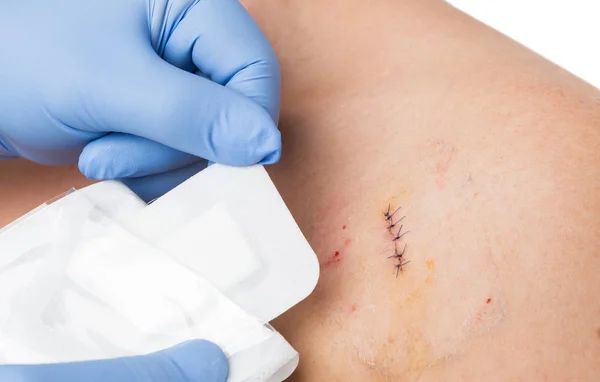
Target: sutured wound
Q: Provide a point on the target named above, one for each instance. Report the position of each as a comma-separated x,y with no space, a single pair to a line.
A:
396,234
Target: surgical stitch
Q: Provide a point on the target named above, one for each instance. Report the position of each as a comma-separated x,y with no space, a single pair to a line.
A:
396,236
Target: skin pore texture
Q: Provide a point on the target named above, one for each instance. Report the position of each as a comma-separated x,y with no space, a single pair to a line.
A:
490,151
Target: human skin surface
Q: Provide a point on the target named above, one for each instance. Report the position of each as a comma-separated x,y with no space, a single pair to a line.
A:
490,151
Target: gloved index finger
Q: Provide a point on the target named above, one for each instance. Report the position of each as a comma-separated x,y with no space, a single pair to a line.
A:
222,40
183,111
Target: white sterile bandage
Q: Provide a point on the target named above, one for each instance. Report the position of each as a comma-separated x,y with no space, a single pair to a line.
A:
99,274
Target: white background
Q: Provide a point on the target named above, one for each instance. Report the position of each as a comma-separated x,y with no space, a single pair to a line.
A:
565,31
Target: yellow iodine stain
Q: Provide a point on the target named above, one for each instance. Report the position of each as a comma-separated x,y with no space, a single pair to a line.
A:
415,295
430,271
418,351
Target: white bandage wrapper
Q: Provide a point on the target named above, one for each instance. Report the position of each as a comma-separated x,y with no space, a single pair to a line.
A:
99,274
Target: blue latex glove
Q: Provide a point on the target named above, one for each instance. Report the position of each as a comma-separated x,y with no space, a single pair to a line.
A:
194,361
143,87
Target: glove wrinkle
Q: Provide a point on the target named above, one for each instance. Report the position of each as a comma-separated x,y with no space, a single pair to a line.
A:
4,150
163,17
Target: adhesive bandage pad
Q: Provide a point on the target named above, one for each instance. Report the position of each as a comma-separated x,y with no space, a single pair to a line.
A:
99,274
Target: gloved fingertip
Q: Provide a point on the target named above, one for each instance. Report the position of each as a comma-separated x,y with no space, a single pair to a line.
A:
269,151
98,167
90,167
272,158
201,360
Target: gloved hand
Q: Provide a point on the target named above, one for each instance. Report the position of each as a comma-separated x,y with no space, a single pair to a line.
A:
194,361
142,87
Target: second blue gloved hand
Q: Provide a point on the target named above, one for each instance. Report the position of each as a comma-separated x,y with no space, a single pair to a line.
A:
131,88
194,361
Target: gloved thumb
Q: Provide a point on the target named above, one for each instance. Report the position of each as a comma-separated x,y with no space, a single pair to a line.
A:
193,361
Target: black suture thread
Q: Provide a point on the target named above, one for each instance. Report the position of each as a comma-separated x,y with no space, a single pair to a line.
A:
397,255
397,236
397,221
389,216
399,266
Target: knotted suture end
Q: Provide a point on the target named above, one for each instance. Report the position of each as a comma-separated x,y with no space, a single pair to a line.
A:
393,220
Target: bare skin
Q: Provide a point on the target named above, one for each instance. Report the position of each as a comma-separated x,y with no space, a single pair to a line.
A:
25,185
491,152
